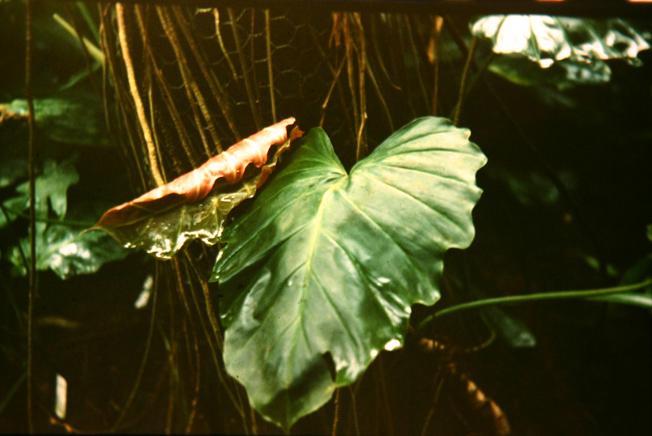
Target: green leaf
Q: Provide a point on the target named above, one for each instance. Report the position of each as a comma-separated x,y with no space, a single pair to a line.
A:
575,48
51,190
72,118
11,209
67,251
319,275
51,186
562,75
11,170
513,331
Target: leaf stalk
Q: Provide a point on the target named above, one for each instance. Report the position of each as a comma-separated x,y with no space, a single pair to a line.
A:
539,296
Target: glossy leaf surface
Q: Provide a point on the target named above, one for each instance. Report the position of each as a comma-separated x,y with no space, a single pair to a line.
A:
195,205
67,251
319,275
61,246
574,49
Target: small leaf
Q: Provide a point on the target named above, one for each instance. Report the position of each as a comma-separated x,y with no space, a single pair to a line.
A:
67,251
195,205
51,188
513,331
321,272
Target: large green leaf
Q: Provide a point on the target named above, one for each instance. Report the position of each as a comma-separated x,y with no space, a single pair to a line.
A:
319,275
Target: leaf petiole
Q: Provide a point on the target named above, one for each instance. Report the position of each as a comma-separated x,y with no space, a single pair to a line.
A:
539,296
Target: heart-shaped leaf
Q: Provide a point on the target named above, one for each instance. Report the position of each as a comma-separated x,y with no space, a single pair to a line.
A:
319,275
195,205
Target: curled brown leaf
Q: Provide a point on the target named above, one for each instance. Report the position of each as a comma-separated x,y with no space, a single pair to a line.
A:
230,165
195,205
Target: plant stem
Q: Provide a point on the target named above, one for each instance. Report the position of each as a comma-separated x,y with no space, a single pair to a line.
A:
135,94
12,391
270,71
336,412
31,293
540,296
249,87
464,79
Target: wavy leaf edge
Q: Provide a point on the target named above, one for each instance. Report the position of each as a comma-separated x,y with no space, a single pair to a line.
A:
336,181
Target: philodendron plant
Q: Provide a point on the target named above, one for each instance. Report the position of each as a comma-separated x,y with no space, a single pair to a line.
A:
320,273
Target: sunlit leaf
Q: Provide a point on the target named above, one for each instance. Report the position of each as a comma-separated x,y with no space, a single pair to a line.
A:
576,48
67,251
195,205
320,273
60,246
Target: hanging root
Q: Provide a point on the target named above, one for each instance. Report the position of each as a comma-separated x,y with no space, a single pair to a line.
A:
481,412
135,94
486,413
347,28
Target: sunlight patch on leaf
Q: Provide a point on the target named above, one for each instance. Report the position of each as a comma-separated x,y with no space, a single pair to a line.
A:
61,246
577,47
66,251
